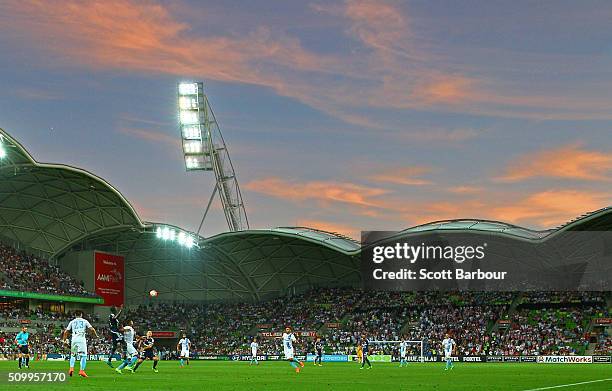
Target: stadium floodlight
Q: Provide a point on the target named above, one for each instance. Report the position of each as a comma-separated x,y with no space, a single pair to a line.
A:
192,132
192,146
204,150
2,152
170,234
196,162
189,117
194,123
166,233
188,103
189,241
188,88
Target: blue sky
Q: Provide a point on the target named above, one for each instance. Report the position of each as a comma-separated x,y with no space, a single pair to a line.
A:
344,115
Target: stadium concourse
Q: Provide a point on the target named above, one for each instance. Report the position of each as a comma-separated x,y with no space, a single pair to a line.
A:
224,290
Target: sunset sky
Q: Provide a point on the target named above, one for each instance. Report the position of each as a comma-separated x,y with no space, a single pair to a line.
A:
342,115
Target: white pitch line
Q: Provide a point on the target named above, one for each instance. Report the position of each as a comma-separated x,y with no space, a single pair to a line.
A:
569,385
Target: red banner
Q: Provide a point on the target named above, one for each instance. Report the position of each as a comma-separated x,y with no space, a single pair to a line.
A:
109,278
603,321
164,334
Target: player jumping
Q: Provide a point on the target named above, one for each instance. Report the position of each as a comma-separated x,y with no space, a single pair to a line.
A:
448,344
117,337
254,346
288,340
78,342
22,343
319,352
185,345
147,351
131,354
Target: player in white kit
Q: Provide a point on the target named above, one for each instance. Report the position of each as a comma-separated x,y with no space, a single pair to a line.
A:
288,340
78,341
448,344
403,350
131,354
185,345
254,347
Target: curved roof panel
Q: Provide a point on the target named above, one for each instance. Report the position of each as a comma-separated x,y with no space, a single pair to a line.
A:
47,207
599,220
334,240
244,265
479,225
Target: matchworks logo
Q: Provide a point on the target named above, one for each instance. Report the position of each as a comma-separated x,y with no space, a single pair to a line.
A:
565,359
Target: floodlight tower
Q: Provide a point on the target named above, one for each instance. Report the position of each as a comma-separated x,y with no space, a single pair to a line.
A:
205,150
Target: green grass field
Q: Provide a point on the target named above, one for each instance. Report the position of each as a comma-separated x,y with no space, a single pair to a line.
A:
217,375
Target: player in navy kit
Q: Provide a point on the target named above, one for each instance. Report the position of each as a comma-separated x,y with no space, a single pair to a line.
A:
319,352
147,351
365,347
116,335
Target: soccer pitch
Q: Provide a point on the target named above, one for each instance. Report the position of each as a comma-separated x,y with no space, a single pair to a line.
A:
215,375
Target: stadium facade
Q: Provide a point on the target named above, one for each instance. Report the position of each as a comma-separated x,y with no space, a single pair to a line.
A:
60,211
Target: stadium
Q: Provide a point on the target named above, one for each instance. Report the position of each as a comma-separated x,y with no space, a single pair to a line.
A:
60,226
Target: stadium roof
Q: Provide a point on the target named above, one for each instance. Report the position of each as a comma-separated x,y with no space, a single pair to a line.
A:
48,207
479,225
54,209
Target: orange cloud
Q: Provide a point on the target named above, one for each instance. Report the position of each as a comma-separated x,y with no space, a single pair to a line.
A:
550,208
402,176
323,191
568,162
541,210
449,90
465,189
342,229
377,24
127,35
398,69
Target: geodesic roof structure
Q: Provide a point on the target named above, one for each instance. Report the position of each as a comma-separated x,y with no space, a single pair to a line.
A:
48,207
233,266
54,209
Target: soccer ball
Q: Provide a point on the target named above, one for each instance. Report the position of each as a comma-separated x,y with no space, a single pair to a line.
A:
153,293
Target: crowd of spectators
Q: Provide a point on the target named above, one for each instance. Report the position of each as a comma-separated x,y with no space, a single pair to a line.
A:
585,297
542,331
24,272
533,323
604,344
343,317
